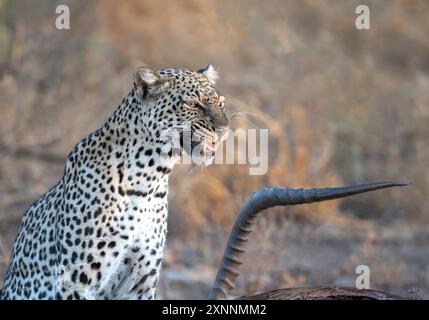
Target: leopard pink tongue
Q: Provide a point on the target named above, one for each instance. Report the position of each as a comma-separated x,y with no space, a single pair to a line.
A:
212,146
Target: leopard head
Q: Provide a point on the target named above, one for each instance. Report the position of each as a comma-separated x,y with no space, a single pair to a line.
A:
184,108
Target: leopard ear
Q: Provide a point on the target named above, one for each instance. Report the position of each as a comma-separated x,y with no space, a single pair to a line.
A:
210,73
148,83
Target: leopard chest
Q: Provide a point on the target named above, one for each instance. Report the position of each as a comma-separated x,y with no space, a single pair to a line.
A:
129,257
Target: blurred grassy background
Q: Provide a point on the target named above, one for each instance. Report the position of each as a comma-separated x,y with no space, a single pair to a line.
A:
342,106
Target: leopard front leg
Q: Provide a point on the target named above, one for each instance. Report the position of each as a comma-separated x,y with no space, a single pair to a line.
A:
146,280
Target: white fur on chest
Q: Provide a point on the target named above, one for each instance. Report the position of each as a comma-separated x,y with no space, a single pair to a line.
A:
143,249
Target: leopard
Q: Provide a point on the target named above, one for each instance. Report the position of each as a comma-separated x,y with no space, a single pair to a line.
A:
100,231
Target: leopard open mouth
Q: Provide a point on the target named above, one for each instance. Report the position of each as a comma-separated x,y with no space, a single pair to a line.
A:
200,148
202,151
209,147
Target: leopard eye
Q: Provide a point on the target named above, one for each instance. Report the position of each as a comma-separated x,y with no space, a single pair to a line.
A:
188,104
195,105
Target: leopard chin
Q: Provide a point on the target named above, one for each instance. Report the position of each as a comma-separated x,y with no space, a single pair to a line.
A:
204,162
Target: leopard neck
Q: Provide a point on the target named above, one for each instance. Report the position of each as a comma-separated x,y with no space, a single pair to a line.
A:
137,159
